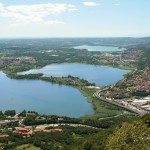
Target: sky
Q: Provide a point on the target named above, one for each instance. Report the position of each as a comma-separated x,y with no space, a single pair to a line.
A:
74,18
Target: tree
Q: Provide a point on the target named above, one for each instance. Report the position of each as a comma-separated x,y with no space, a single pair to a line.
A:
10,113
132,136
1,113
23,114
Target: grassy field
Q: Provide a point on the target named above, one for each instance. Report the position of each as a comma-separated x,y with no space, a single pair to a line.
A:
101,108
27,147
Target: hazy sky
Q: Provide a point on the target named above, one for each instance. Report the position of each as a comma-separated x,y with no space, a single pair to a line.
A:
74,18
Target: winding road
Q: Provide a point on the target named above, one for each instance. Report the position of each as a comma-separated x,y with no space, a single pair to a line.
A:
97,94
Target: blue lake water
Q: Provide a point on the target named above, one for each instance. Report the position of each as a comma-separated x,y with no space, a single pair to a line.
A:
47,98
43,97
100,48
101,75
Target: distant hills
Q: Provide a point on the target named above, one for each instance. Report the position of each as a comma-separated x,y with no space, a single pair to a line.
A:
15,44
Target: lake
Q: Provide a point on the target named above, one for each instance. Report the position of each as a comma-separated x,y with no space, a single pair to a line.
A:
47,98
100,48
101,75
43,97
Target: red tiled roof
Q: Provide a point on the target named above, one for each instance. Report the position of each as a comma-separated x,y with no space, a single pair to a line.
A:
47,131
59,130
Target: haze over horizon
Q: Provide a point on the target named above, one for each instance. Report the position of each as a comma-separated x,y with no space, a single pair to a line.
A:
69,18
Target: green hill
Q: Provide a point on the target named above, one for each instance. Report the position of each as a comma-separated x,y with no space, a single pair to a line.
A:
133,135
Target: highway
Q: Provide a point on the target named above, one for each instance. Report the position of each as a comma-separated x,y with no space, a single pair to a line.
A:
136,111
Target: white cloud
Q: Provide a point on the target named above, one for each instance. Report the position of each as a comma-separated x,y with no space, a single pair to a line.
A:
72,7
88,3
14,25
117,4
1,6
51,22
37,13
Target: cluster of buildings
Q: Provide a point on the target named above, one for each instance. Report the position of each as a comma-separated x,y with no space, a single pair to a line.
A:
20,60
143,103
121,58
16,61
138,85
132,93
28,131
24,132
15,125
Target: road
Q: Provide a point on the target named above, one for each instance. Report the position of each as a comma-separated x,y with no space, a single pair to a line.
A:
97,94
68,124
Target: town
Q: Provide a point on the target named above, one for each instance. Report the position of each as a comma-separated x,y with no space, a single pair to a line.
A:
133,92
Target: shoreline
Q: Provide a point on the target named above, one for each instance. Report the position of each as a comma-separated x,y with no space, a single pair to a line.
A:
89,98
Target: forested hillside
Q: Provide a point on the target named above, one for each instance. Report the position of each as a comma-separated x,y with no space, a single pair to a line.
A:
133,135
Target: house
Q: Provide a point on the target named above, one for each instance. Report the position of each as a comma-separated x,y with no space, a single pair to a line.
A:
58,130
46,131
24,132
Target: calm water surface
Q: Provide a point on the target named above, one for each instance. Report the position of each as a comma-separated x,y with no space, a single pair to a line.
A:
101,75
99,48
48,98
43,97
